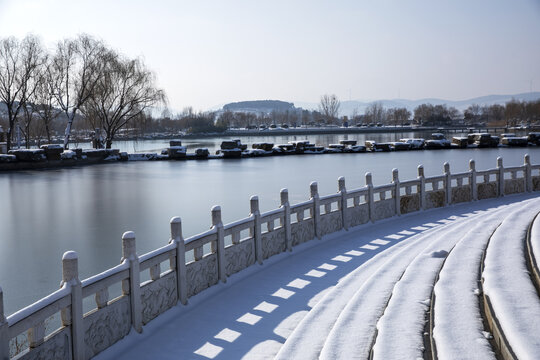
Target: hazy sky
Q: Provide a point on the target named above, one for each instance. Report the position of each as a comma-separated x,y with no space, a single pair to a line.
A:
207,53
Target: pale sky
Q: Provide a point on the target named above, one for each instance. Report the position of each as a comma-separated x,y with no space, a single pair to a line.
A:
208,53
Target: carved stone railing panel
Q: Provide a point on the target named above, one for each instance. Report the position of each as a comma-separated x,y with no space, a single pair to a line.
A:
331,222
409,203
357,215
385,209
104,327
302,231
435,199
536,183
488,190
461,194
239,256
514,186
201,274
57,346
158,296
273,242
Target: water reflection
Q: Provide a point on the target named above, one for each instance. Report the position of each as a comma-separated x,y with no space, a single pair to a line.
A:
45,213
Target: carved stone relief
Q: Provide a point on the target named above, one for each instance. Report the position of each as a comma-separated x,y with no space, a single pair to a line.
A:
486,191
273,242
331,223
55,347
461,194
201,274
385,209
513,186
302,232
357,215
435,198
158,296
103,327
239,256
409,203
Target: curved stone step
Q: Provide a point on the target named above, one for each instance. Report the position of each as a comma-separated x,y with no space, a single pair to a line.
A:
400,331
354,331
533,252
511,301
457,327
308,338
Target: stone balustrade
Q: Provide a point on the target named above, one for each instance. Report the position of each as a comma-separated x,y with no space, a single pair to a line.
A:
184,267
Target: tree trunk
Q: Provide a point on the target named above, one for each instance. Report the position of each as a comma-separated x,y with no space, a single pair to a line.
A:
67,133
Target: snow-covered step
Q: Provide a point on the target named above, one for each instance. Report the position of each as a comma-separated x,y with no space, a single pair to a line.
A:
401,329
354,331
533,251
511,300
308,338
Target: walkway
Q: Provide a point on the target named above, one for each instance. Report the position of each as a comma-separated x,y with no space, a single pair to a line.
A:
282,302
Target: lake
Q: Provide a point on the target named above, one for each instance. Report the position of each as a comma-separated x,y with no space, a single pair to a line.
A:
86,209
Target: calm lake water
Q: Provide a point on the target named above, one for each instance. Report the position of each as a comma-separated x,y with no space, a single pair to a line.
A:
86,209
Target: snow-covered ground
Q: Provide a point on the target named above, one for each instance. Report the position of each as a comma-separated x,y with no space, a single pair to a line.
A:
332,297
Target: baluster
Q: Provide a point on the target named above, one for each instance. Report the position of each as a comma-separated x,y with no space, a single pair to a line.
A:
4,329
343,207
74,314
181,270
500,177
408,190
316,210
472,181
527,172
447,183
422,187
254,206
36,335
396,192
286,223
155,272
370,197
129,254
102,298
235,237
198,253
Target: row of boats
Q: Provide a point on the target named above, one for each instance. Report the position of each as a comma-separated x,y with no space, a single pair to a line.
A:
235,149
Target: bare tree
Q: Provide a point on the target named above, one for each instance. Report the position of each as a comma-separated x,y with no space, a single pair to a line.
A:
77,67
375,113
20,63
44,100
329,107
126,89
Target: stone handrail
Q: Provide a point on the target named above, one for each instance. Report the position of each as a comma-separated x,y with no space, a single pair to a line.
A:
185,267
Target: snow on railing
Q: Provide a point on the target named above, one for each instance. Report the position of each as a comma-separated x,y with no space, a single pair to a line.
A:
185,267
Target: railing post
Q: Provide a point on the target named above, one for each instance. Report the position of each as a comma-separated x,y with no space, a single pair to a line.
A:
218,225
4,327
500,176
129,254
70,278
343,190
255,212
181,270
448,184
422,187
397,194
472,180
284,196
527,171
316,214
370,199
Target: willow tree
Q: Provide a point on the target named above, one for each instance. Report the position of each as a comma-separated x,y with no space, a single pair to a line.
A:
20,65
77,66
126,89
